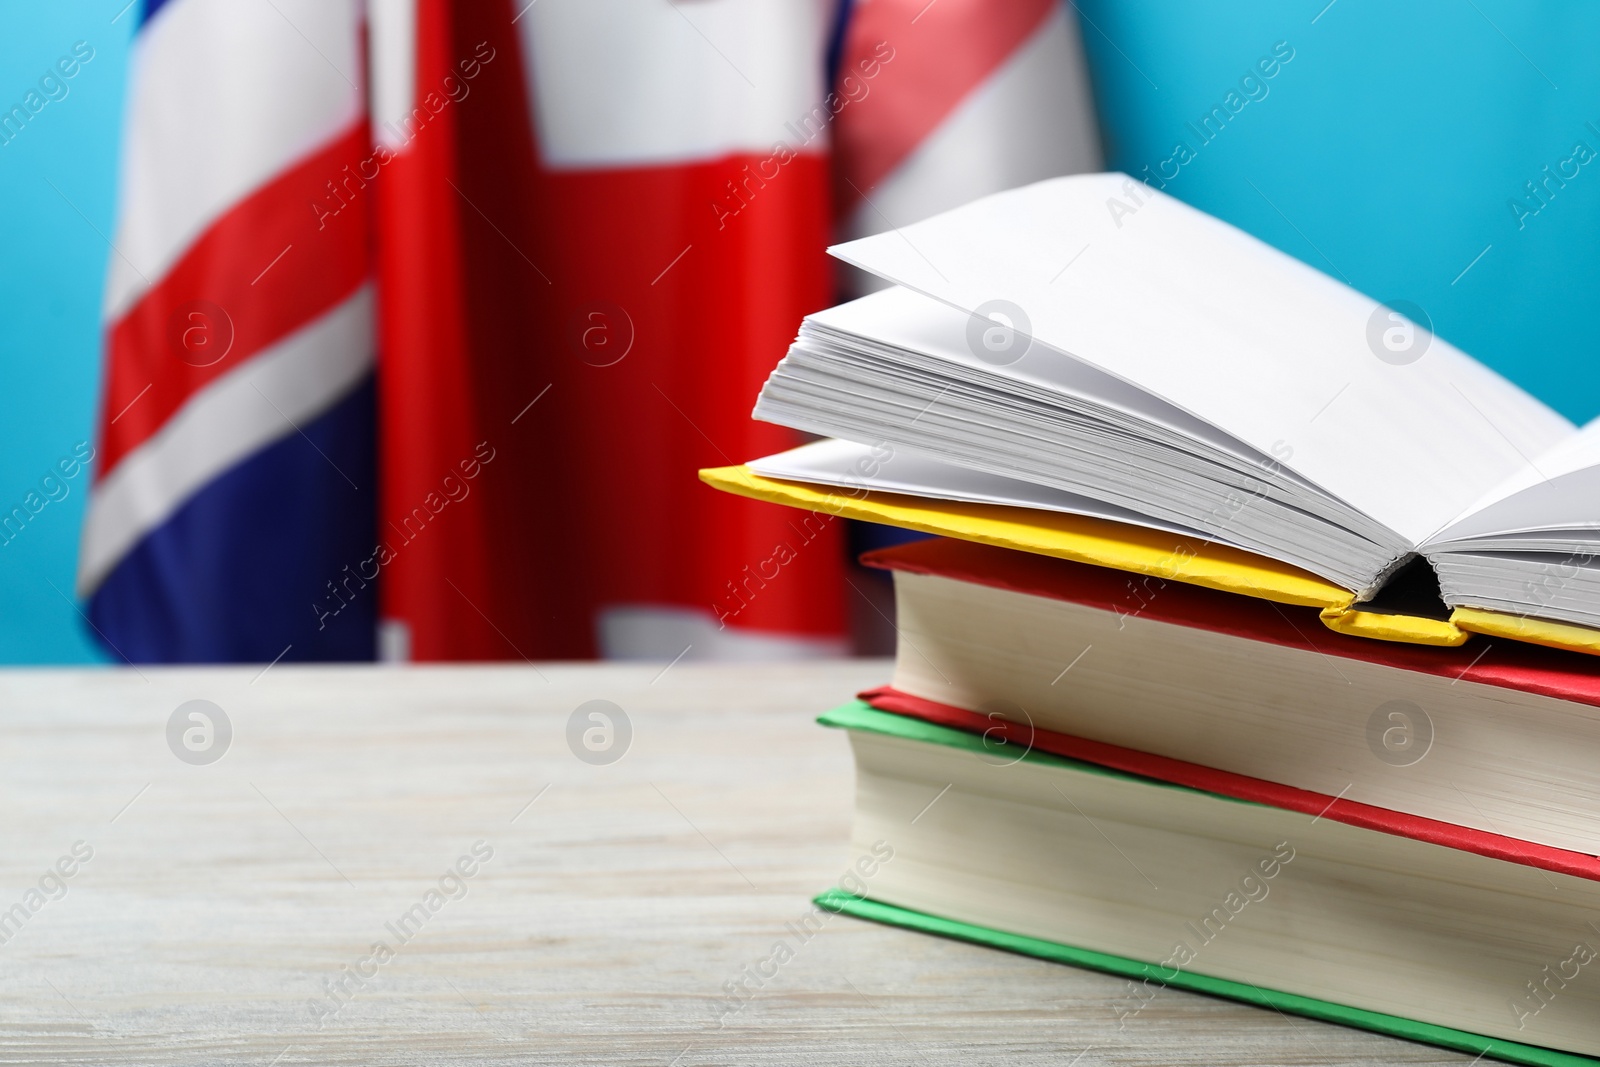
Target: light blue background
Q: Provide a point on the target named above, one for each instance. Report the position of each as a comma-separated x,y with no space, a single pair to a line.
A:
1389,146
1388,149
52,263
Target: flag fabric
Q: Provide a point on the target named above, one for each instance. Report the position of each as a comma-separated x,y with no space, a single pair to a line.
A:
460,350
595,305
234,475
683,153
980,96
586,232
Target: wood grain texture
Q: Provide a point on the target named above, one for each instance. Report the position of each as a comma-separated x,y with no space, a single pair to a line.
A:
221,899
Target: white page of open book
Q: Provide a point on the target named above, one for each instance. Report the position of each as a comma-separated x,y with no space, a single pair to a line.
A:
909,319
1559,491
846,463
1233,331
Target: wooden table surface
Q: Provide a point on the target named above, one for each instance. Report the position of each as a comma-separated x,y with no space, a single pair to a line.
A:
221,902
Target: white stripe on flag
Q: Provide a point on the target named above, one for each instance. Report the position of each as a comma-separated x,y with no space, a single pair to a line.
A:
1031,119
393,33
618,83
283,387
224,95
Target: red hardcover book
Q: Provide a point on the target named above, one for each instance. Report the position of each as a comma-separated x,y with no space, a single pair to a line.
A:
1493,749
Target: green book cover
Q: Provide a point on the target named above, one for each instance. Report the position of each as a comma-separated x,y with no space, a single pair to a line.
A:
860,716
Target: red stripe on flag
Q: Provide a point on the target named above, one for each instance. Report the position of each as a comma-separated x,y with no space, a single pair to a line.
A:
937,54
708,268
559,353
459,350
276,260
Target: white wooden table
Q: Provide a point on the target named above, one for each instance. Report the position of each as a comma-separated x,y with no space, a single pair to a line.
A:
223,900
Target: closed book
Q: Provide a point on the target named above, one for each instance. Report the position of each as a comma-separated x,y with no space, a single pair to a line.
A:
1171,886
1502,739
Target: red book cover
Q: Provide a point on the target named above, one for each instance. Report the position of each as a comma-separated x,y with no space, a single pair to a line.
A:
1550,672
1513,665
1238,786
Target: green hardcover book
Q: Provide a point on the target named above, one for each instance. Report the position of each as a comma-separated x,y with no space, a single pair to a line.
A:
1166,885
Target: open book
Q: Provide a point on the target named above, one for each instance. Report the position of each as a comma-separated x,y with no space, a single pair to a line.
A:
1047,348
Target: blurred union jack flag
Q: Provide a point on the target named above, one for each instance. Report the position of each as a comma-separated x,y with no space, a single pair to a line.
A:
591,227
236,432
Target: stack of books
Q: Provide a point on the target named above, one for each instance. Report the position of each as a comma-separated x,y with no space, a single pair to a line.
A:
1254,654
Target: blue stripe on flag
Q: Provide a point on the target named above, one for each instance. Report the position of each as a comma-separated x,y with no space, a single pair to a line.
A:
835,53
235,575
148,9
